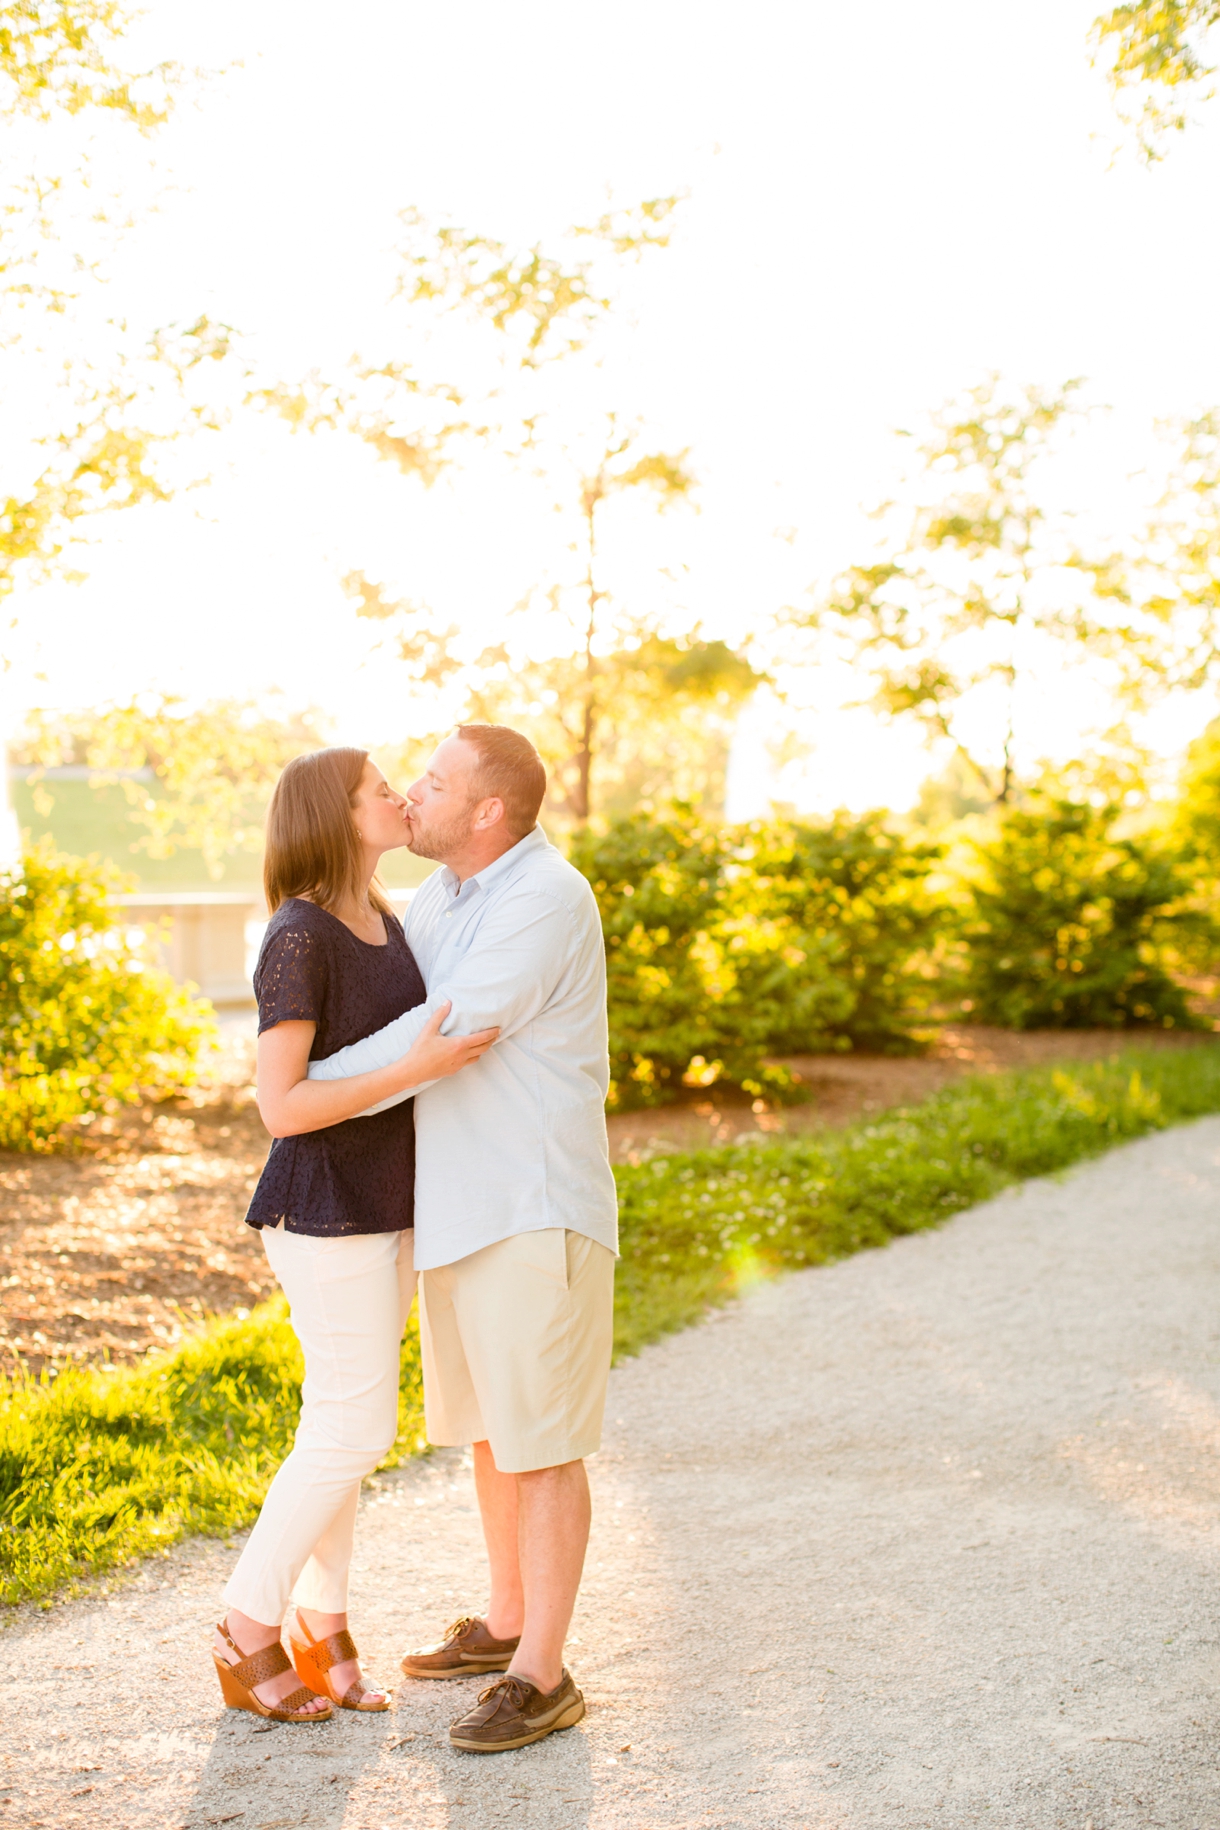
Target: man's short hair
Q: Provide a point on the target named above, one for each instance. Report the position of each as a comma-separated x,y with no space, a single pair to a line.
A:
510,767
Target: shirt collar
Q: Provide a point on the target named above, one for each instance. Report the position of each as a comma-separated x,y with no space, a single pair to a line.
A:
500,867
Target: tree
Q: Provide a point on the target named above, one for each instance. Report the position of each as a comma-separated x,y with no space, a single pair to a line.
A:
976,584
620,467
109,399
1154,51
521,309
104,452
60,59
953,795
1159,592
979,589
546,301
663,706
1173,574
654,724
617,694
615,680
214,767
62,56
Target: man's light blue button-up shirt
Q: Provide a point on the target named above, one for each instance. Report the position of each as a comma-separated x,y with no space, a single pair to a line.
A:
516,1141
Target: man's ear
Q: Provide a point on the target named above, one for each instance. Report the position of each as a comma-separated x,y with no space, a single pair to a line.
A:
490,813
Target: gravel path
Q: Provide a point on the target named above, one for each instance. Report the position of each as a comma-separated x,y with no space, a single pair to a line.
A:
927,1538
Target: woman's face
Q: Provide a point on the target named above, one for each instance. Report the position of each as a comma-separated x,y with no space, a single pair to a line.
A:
378,813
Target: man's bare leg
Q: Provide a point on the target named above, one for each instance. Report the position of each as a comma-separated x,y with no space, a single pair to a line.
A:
536,1528
498,1508
553,1533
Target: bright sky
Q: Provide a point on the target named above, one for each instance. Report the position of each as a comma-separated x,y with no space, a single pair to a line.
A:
885,204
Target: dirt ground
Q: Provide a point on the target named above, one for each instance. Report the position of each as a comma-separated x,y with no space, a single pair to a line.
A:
119,1249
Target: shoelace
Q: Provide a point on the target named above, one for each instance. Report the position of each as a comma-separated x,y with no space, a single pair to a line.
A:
511,1689
460,1626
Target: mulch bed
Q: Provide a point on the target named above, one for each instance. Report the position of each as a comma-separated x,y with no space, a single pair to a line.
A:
121,1247
107,1254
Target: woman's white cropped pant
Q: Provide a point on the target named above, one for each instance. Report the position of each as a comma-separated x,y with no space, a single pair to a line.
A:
349,1299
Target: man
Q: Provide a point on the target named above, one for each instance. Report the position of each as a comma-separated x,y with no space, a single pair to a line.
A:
515,1211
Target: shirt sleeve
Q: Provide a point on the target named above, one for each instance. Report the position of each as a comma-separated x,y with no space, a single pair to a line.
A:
290,982
524,947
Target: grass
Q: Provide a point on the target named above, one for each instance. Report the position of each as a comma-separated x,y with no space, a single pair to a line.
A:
696,1228
104,1466
107,1464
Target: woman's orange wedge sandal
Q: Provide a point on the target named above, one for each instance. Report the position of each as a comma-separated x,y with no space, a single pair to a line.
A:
237,1683
313,1663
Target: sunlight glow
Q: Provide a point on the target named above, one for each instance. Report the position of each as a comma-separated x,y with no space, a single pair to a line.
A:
811,303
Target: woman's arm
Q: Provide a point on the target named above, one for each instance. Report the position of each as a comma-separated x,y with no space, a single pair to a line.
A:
290,1104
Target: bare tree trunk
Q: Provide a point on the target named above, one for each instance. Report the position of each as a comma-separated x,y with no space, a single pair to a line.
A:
1005,794
1006,774
10,837
582,799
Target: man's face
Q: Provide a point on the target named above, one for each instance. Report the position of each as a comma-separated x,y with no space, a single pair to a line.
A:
440,809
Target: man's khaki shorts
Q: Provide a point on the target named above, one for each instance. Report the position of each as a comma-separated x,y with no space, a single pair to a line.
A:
516,1348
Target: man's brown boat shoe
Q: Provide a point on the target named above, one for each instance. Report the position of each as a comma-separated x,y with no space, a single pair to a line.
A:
512,1712
467,1650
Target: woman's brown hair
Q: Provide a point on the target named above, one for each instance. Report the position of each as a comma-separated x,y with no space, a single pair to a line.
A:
312,847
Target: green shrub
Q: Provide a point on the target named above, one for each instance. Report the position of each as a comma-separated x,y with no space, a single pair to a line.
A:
1197,813
85,1024
657,883
1071,926
726,945
826,926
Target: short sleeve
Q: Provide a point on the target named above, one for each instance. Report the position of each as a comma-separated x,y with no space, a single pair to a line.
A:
290,983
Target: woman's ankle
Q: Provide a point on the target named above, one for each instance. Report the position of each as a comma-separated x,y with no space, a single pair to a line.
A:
248,1634
320,1623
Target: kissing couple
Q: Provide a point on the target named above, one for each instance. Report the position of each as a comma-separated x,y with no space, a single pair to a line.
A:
436,1093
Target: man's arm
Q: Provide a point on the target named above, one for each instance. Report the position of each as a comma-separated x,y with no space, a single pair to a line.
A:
523,947
290,1104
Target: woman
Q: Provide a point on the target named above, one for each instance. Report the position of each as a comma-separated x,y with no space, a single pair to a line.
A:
334,1206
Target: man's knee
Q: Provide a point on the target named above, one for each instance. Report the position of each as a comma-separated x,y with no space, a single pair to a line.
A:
561,1471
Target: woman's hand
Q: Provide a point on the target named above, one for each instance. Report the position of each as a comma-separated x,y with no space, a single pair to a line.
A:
434,1057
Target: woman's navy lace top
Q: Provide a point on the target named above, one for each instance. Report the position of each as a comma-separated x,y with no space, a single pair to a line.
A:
357,1177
